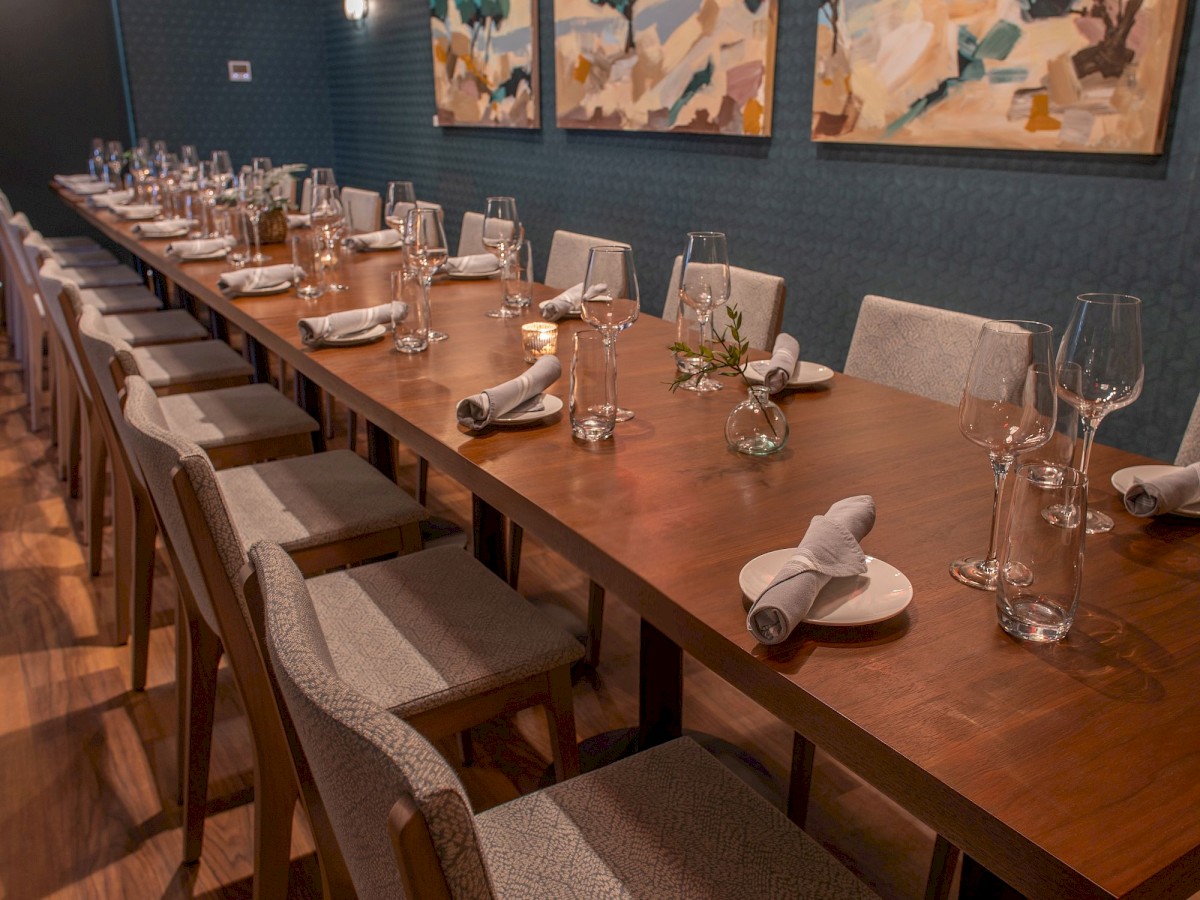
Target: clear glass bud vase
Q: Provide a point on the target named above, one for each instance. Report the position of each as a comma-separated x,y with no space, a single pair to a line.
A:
756,426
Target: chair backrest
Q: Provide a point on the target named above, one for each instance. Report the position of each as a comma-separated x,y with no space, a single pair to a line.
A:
364,209
6,208
362,758
51,289
919,349
759,297
569,257
1189,447
470,238
306,195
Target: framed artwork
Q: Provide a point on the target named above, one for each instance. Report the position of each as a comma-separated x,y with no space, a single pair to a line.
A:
1091,76
699,66
485,62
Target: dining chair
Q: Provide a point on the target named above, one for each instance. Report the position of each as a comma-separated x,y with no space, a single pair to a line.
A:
67,242
28,321
1189,447
306,195
569,257
329,509
234,425
470,237
760,298
669,821
919,349
82,257
364,209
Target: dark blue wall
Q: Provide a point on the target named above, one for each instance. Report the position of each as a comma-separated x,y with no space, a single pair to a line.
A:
998,234
176,52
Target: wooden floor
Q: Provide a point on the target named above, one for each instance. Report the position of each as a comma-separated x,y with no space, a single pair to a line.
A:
87,769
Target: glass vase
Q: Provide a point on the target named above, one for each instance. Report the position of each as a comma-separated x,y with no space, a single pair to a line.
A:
756,426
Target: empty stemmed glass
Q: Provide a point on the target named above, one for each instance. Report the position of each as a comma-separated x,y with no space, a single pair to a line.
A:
329,220
96,160
502,234
401,200
611,301
704,286
222,169
1103,340
1008,405
427,252
254,199
188,161
114,161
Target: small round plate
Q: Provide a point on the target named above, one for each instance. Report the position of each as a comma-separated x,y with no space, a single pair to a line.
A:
1122,480
164,234
200,257
399,245
473,276
866,599
276,288
138,214
550,405
807,373
368,336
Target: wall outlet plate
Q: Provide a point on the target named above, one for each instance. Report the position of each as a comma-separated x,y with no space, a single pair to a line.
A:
239,70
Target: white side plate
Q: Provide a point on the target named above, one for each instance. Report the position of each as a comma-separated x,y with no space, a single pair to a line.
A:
866,599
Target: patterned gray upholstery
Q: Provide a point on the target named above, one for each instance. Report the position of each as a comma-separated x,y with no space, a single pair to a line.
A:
166,326
919,349
364,209
170,364
1189,447
102,276
759,296
470,238
235,415
569,257
124,299
668,822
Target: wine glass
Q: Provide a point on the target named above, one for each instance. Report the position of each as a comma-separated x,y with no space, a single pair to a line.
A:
142,171
401,200
329,219
704,285
222,169
261,164
322,176
253,197
426,251
1008,405
188,161
96,160
611,301
114,161
502,233
1104,339
208,188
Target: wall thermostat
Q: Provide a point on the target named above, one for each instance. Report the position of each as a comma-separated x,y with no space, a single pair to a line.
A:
239,70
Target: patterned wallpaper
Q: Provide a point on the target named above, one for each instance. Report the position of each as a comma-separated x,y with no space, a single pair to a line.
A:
176,52
997,234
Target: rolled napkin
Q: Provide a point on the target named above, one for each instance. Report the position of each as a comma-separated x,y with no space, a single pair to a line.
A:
830,549
299,220
161,228
1164,494
198,249
476,264
782,364
137,210
110,200
568,304
387,239
81,178
479,410
244,280
316,329
88,188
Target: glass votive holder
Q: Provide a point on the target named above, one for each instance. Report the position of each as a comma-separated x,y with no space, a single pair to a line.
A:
539,339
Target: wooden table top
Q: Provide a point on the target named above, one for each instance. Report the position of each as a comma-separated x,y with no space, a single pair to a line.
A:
1068,770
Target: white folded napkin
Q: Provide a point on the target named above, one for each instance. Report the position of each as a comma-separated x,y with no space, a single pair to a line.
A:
161,228
386,239
299,220
113,199
316,329
137,210
522,394
198,249
88,188
72,180
782,364
476,264
243,280
1156,496
830,549
568,304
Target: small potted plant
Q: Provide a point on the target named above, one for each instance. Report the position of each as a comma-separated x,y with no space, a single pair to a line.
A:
272,223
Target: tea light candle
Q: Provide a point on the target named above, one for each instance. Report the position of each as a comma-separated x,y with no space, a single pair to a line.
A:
539,339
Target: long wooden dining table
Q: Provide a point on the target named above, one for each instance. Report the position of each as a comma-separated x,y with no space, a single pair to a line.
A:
1068,769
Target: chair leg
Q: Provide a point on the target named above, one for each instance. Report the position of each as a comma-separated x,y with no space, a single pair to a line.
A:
595,624
560,718
352,429
422,479
95,484
69,444
800,784
204,656
466,748
275,795
141,594
941,869
516,537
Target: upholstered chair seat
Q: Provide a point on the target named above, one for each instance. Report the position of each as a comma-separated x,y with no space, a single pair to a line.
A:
110,301
168,326
1189,447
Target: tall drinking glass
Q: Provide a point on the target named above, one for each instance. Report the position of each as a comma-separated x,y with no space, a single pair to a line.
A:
1008,405
427,252
502,233
611,301
114,161
252,194
704,286
1104,340
96,159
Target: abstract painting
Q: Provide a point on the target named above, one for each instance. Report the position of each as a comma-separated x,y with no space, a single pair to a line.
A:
1088,76
485,63
701,66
